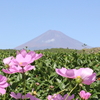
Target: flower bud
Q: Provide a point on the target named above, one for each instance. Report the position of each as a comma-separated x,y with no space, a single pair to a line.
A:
7,66
78,79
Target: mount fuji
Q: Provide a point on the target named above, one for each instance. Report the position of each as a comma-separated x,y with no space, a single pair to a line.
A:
52,39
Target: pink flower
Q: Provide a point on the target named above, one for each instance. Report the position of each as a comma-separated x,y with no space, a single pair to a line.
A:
8,61
59,97
18,69
23,58
3,84
86,74
84,95
20,96
69,97
21,63
32,97
55,97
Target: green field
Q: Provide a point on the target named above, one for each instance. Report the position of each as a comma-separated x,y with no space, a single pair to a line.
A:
45,81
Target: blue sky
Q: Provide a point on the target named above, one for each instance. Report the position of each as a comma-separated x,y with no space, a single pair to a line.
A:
23,20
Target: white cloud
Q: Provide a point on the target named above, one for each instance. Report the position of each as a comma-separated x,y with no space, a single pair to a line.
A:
48,41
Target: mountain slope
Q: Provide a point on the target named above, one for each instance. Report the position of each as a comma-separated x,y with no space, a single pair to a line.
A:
52,39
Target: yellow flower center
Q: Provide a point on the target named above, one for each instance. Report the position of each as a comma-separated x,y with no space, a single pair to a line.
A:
34,92
78,79
20,63
78,76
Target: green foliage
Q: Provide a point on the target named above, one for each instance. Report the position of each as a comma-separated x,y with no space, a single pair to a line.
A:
44,79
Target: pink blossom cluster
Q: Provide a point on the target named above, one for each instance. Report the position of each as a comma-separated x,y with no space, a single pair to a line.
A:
20,96
21,63
83,75
59,97
84,95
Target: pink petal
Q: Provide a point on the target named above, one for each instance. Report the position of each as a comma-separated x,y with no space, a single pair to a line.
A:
90,79
55,97
2,79
84,95
6,71
19,58
7,60
35,57
16,96
4,85
11,70
69,73
23,52
78,72
69,97
86,72
28,67
38,56
19,95
32,53
2,91
27,58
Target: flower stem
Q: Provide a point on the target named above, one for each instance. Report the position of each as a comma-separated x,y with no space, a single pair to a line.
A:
4,97
58,93
71,92
24,82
